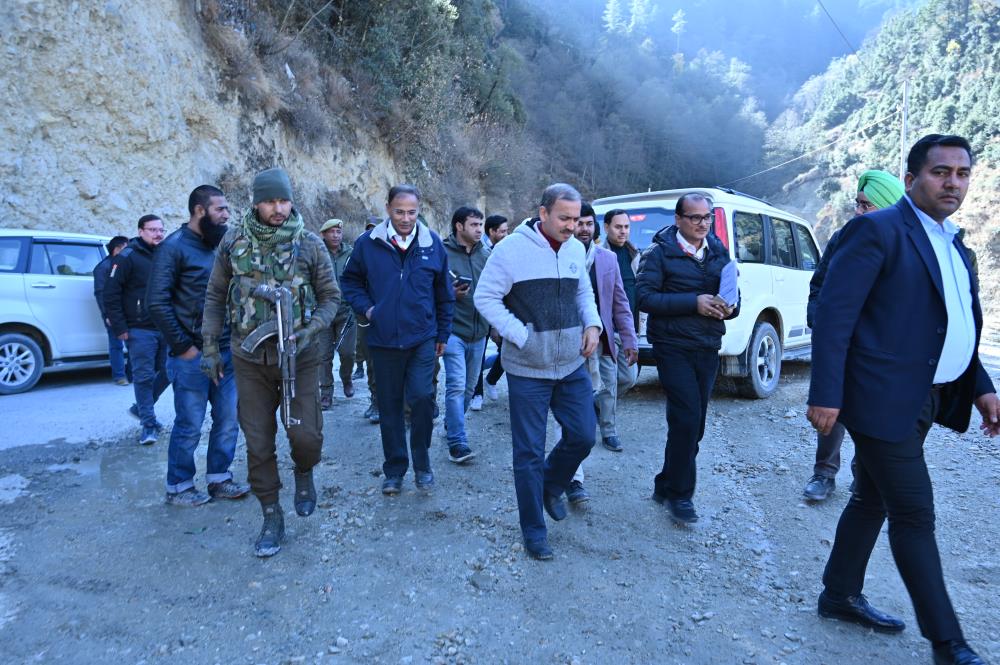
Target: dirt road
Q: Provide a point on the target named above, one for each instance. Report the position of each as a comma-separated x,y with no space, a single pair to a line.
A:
94,568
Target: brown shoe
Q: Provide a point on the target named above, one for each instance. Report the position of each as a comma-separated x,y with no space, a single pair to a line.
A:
325,397
348,389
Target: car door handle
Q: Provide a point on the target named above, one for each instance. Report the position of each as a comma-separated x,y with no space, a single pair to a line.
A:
43,285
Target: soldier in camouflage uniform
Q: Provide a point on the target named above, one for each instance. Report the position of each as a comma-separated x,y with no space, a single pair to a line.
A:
332,233
271,246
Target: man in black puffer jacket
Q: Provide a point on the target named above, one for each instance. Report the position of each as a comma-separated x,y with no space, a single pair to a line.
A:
677,284
124,302
175,299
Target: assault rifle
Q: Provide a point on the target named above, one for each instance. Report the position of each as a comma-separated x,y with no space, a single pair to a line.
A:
343,333
282,326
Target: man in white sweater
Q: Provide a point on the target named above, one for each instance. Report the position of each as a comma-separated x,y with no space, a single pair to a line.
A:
536,292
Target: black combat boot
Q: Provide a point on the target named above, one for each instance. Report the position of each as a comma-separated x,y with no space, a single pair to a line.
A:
272,533
305,493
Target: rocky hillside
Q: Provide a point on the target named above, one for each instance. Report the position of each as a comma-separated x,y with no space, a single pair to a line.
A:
115,109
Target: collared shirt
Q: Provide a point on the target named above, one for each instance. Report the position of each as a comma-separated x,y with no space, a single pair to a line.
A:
554,244
697,252
960,335
401,243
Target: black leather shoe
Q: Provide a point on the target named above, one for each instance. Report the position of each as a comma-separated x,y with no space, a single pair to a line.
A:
554,505
576,493
392,485
956,652
539,549
305,493
682,511
659,498
857,609
612,443
819,488
423,479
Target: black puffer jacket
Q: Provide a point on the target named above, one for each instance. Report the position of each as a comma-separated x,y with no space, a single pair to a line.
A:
668,285
175,297
125,290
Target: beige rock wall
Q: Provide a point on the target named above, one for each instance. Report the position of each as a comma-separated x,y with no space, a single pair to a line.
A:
113,109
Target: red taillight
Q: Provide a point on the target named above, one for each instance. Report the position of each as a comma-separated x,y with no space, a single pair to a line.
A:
719,226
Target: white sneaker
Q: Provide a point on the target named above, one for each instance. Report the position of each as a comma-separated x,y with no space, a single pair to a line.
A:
491,391
477,403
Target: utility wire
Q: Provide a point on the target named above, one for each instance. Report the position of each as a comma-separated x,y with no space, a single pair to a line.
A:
806,154
842,35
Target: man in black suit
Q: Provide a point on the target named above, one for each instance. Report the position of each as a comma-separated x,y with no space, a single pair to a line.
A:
894,351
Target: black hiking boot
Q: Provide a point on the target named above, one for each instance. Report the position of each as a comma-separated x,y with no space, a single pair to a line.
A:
305,493
272,533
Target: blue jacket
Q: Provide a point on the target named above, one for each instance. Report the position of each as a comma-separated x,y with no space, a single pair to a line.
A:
411,293
880,328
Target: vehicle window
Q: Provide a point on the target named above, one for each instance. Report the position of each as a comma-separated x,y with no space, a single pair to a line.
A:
807,248
645,223
39,264
748,230
73,260
782,244
10,252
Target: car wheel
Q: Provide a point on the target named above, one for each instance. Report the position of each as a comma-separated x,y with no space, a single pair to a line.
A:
21,363
763,362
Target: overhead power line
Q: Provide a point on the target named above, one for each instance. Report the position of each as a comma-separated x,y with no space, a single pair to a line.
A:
806,154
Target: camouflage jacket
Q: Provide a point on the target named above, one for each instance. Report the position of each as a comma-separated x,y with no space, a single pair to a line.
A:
339,263
238,269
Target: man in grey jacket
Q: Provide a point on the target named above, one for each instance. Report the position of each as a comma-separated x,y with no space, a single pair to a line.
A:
536,292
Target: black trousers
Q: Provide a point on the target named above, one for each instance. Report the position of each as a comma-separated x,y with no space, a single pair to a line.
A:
892,479
687,376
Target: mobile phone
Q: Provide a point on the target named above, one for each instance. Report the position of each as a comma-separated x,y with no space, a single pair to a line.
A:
463,281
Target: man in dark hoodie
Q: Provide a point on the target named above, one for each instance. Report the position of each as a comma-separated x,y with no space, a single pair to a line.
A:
678,284
175,299
124,301
463,357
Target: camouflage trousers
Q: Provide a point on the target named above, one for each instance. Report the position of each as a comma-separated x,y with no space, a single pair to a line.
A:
258,389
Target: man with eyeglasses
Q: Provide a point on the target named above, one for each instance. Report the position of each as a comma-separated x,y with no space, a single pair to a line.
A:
125,302
876,190
679,278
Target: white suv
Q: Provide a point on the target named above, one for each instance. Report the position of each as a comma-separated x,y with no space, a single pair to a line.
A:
777,254
49,319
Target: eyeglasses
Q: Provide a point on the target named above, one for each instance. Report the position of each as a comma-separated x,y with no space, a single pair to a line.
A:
703,220
866,206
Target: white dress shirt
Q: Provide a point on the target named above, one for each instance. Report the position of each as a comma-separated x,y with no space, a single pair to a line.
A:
400,241
697,252
960,336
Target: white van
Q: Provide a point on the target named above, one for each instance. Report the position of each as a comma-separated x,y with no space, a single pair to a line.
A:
777,254
49,319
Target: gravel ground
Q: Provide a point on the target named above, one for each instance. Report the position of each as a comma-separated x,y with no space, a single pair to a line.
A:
95,568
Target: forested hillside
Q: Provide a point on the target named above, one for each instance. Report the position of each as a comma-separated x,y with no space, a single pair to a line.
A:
948,51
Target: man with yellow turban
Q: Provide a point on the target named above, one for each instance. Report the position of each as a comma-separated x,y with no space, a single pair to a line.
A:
876,190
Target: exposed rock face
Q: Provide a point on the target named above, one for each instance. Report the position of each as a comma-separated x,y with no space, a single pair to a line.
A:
113,109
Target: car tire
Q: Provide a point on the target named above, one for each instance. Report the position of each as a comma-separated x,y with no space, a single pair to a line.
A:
21,363
763,362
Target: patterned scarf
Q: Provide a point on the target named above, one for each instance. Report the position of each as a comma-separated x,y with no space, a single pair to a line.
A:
268,237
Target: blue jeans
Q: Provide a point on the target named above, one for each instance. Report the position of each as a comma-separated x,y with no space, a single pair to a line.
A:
462,362
408,372
116,355
147,351
193,392
572,402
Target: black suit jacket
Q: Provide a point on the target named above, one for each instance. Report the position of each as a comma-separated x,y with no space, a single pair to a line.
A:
880,328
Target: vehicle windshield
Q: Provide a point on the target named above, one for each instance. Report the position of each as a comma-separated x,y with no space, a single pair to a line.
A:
645,223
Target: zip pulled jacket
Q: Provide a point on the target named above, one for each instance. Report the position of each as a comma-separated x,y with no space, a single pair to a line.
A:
540,301
468,324
411,291
668,285
175,296
125,289
101,272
